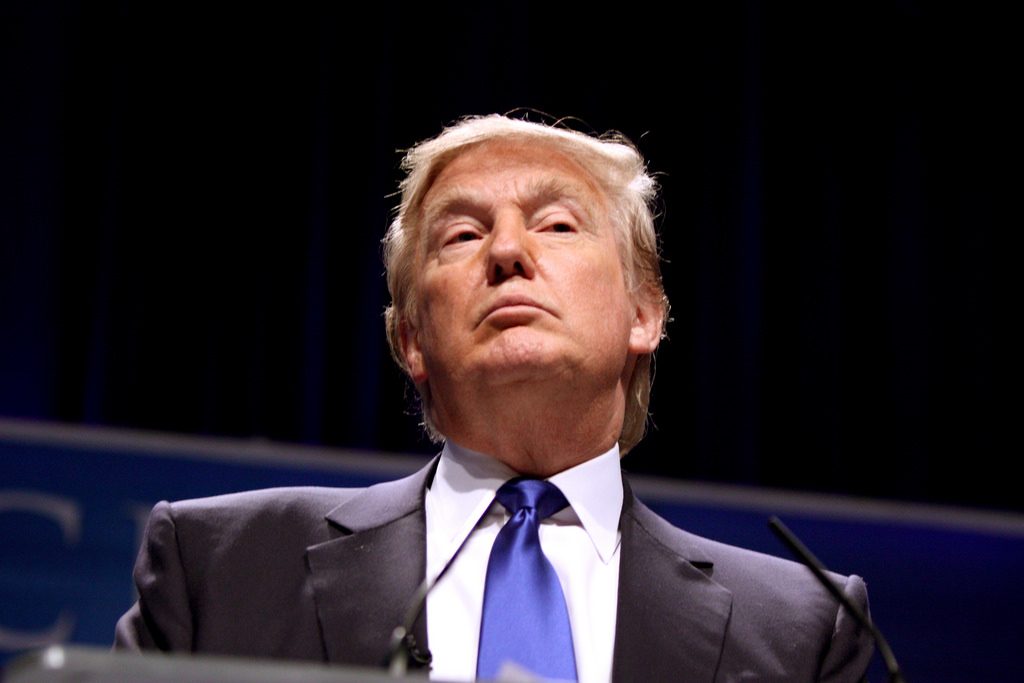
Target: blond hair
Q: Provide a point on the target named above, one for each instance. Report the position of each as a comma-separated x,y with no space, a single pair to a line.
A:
619,170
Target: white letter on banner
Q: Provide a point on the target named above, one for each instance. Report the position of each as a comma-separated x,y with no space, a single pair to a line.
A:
65,512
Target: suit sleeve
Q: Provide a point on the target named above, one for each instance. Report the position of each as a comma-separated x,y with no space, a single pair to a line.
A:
850,652
161,619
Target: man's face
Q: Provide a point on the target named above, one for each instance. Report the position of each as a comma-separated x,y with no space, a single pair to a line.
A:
519,277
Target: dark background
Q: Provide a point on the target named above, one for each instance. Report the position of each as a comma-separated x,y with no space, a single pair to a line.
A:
192,197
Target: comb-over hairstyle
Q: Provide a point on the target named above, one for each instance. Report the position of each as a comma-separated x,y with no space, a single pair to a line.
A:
619,170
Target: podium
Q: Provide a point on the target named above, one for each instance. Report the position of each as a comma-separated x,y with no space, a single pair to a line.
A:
58,664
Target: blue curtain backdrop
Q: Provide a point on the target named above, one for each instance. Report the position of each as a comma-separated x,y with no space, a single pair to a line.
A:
192,197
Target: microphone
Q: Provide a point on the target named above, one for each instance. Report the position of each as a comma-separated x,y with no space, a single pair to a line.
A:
403,640
808,559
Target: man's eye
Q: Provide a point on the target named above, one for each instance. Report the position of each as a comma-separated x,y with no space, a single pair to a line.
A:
464,236
561,227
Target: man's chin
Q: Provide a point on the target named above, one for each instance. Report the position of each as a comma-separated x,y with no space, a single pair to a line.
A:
521,354
524,374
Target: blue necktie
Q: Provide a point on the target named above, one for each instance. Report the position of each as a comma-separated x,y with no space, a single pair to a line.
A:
524,616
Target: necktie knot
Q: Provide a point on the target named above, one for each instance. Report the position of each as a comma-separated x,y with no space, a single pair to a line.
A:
536,494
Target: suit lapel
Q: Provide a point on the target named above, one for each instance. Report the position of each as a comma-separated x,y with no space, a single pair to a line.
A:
363,578
672,618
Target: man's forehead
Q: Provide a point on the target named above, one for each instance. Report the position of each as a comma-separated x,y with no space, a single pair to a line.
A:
534,171
530,193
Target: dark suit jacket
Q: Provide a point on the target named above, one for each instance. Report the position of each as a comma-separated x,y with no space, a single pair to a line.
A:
326,574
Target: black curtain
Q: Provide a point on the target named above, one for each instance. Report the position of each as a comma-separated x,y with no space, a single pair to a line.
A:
192,198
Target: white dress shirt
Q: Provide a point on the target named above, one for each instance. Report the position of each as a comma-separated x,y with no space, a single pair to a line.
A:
581,541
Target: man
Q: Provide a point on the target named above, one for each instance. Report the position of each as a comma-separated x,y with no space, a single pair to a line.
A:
526,305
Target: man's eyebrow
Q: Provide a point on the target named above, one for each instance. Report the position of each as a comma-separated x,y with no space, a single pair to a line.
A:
454,200
544,191
538,193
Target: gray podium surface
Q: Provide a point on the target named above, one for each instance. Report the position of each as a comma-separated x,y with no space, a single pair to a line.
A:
93,665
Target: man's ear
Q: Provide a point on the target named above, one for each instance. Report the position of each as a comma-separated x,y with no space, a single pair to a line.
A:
408,338
648,322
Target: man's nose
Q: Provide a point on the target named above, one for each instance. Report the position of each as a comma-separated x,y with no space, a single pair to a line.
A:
510,252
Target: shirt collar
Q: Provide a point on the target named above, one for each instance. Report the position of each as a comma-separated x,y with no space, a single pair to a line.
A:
466,481
594,491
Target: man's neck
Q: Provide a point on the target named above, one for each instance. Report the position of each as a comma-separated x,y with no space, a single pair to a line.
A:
532,436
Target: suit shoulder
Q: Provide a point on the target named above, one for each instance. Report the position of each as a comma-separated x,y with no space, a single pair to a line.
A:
294,515
729,563
290,515
311,500
771,591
